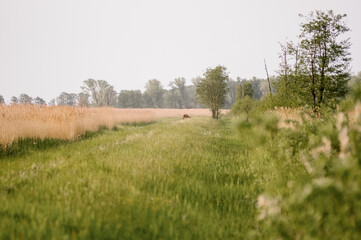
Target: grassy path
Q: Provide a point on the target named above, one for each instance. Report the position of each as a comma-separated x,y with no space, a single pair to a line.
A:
174,179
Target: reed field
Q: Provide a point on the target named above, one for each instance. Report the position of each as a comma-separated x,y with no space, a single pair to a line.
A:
64,122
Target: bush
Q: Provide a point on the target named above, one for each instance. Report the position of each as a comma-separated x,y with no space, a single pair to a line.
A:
246,106
327,205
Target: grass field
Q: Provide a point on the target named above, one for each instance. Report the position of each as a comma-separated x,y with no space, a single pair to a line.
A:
196,178
173,179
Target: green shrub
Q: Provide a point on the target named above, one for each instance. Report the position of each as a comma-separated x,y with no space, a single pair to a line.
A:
327,205
245,105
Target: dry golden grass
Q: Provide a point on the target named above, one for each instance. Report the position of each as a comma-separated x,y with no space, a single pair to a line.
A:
63,122
286,114
354,116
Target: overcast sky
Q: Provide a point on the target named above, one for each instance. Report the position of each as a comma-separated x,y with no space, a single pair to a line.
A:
50,46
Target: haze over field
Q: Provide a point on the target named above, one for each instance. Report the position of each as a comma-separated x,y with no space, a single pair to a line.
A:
47,47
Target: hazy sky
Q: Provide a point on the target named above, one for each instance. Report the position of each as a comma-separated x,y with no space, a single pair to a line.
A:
50,46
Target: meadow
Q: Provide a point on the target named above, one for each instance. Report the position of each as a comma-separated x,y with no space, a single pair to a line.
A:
195,178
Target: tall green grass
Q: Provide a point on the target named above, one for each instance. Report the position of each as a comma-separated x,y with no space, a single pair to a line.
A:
197,178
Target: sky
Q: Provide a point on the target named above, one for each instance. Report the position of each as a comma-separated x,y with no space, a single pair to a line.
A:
51,46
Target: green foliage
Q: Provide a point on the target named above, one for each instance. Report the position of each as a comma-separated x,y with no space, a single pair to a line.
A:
66,99
100,92
2,100
211,89
179,83
25,99
325,206
194,179
244,89
316,71
14,100
154,93
245,105
82,99
130,99
39,101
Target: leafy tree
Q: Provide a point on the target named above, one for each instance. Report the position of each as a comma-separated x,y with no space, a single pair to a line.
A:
192,97
173,97
25,99
180,84
52,102
232,92
196,80
83,99
14,100
39,101
212,89
256,86
245,89
154,93
66,99
245,105
130,99
110,96
316,71
2,100
100,91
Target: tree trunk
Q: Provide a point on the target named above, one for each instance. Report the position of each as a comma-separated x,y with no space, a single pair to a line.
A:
213,113
269,82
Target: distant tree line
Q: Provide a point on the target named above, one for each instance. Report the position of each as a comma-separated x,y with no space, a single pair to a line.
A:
313,72
99,93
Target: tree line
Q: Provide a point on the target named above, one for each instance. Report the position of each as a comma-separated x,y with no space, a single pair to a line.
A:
314,72
99,93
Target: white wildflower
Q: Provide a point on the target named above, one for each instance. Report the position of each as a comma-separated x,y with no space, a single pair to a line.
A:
307,165
267,206
325,148
344,142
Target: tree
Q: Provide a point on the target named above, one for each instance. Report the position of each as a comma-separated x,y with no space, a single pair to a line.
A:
39,101
232,92
212,89
130,99
154,90
2,100
245,89
192,97
256,86
180,85
25,99
100,91
52,102
196,80
83,99
66,99
245,105
110,96
173,97
14,100
317,69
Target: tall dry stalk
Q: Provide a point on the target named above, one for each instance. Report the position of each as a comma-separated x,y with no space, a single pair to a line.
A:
64,122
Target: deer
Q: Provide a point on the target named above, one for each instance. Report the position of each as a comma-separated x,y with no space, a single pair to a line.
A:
186,116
